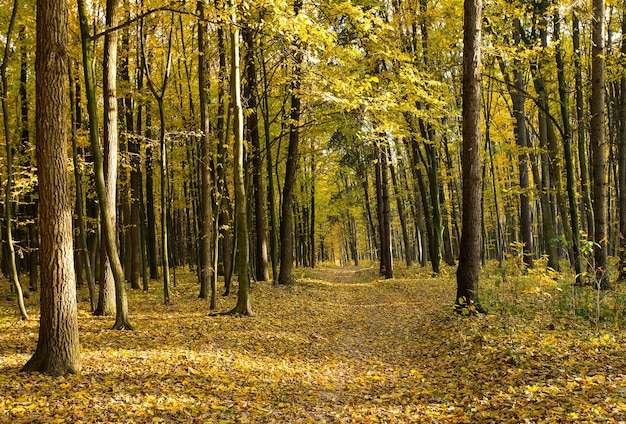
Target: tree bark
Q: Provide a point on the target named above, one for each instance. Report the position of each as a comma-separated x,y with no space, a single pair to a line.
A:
567,152
8,189
206,226
252,130
80,213
58,347
243,306
286,222
580,117
598,144
469,258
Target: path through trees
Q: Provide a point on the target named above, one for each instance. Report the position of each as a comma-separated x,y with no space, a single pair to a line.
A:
339,344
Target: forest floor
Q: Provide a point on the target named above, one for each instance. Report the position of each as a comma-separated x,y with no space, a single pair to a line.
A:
338,345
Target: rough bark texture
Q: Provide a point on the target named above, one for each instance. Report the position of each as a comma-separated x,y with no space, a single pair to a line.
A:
469,258
58,348
598,144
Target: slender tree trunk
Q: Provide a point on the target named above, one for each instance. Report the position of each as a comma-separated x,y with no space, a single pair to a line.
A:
271,192
58,349
622,161
8,188
286,222
206,226
159,94
107,219
243,306
80,213
544,178
519,111
469,259
400,205
580,117
222,132
598,144
250,97
383,209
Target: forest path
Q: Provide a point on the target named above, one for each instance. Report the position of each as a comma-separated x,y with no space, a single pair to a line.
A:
339,345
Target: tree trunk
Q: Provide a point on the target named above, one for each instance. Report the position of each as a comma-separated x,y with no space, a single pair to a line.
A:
400,204
383,209
567,151
250,98
159,94
206,226
518,99
80,213
622,161
271,196
8,188
580,117
598,144
286,222
243,306
58,347
469,258
107,218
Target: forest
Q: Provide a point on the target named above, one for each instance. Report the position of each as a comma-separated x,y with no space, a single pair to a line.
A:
299,211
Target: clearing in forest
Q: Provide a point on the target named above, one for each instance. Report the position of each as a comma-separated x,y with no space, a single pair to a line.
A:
338,345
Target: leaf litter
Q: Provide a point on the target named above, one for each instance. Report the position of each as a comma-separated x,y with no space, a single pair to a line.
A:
337,346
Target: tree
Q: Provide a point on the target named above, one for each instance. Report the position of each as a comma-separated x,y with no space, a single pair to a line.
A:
243,306
206,226
286,221
108,219
598,146
8,189
57,348
469,258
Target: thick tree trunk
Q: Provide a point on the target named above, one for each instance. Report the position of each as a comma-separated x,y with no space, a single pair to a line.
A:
469,259
58,347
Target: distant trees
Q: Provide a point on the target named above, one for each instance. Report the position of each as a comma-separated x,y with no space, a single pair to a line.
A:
336,103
